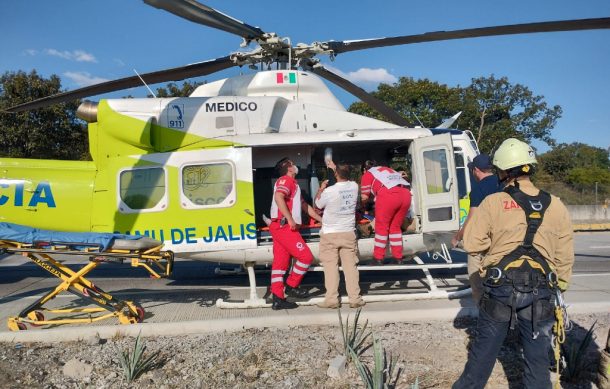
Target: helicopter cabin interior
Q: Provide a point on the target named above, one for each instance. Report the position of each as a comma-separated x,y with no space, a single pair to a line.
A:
312,171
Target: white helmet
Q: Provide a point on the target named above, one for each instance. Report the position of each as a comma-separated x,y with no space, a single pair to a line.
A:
512,153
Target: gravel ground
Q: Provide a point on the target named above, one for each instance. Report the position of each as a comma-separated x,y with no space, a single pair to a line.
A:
434,353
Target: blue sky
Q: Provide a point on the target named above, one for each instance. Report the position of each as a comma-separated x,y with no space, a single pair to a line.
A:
92,41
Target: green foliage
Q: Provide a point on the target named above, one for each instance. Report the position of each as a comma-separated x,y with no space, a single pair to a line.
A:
581,176
575,172
496,110
52,132
559,161
384,374
565,192
134,363
354,336
173,90
575,355
492,108
426,100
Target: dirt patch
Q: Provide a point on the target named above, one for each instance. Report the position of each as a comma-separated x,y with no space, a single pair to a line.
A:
433,353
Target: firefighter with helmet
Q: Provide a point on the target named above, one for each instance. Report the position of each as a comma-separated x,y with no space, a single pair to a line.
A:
525,237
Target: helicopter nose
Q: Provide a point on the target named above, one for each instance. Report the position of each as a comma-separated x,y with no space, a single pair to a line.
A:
87,111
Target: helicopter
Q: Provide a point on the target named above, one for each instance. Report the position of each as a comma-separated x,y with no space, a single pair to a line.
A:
196,173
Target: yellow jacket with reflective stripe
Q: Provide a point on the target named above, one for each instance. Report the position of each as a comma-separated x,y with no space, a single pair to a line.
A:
498,227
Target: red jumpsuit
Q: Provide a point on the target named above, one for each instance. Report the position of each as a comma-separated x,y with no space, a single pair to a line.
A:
287,243
392,202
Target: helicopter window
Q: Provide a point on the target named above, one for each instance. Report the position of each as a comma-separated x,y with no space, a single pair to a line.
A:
142,188
208,184
437,171
460,168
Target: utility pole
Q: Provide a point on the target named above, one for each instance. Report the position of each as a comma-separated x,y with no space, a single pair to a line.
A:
595,192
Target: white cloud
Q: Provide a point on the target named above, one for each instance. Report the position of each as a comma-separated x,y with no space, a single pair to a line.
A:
84,79
118,62
366,77
74,55
31,52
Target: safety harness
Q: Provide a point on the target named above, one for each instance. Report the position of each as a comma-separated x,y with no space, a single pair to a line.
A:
527,271
525,268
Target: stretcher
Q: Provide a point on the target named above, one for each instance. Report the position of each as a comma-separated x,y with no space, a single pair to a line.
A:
42,247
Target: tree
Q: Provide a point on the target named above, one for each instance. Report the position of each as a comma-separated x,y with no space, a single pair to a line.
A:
53,132
493,109
577,164
420,101
587,177
496,110
173,90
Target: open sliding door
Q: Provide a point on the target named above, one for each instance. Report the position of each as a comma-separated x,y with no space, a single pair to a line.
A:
435,177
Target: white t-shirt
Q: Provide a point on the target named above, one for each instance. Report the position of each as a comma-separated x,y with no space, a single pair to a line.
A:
339,204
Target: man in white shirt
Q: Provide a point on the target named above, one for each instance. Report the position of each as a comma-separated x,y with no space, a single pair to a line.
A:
338,242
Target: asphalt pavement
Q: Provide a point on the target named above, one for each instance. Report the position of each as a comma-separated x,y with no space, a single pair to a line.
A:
186,302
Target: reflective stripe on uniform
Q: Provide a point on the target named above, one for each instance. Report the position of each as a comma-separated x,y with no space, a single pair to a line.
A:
298,271
301,264
277,279
283,189
395,239
381,238
278,271
379,244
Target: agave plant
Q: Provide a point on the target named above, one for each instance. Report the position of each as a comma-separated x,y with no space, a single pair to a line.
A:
575,354
135,363
384,374
354,336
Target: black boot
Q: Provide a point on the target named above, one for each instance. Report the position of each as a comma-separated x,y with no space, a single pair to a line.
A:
280,303
297,292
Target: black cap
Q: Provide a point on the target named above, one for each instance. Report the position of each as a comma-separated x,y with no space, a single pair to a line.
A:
481,162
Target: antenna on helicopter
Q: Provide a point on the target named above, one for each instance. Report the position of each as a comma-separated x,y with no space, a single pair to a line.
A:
420,123
447,123
144,82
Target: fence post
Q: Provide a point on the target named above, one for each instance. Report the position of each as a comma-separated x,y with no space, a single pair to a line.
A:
595,192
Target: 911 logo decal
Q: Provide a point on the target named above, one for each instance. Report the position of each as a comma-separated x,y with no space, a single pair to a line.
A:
175,116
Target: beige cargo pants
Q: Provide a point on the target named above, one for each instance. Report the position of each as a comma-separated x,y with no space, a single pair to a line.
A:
340,248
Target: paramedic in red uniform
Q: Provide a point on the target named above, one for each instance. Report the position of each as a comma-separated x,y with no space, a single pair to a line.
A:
286,210
392,201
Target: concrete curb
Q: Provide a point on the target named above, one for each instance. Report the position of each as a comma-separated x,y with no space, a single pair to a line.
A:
591,226
291,319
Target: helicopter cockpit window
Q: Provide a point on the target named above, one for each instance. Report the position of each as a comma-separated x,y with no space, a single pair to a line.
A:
437,171
208,185
142,189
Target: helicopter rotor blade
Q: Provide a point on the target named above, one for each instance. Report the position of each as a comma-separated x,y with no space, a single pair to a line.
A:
527,28
174,74
202,14
363,95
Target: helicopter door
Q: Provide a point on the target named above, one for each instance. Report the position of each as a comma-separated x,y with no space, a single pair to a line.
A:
196,200
216,189
435,178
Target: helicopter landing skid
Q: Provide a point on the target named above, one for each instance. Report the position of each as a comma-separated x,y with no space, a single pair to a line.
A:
254,301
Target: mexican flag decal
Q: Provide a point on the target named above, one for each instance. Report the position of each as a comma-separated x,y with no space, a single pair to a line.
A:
286,78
